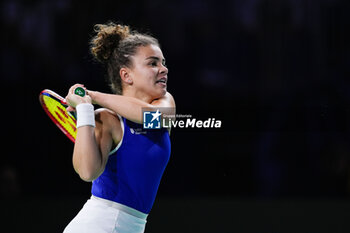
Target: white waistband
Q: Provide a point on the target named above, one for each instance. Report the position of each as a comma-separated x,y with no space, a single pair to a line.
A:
121,207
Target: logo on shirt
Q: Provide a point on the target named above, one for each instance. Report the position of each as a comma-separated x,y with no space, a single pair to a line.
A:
151,119
137,131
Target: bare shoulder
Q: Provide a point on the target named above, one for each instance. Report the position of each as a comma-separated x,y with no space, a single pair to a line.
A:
169,97
108,122
104,112
166,101
169,102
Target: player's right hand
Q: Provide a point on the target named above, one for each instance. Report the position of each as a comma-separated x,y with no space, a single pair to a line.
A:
73,100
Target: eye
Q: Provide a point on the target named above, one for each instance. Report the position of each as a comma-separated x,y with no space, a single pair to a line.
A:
153,63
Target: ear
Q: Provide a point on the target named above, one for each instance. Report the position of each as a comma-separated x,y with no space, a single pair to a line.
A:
125,75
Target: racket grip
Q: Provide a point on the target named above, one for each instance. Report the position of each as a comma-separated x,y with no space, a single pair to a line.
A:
80,91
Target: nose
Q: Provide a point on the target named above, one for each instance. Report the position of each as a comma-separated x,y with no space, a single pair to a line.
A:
163,70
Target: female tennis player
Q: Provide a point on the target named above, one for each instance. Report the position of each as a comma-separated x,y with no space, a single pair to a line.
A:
124,161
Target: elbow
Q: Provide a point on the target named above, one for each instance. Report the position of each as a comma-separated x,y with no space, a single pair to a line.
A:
86,175
88,168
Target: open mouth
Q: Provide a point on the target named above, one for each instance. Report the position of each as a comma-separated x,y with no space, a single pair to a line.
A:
162,81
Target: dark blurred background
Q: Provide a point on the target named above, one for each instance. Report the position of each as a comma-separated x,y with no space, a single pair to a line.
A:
275,72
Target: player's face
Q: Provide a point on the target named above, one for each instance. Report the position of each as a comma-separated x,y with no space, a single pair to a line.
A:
149,73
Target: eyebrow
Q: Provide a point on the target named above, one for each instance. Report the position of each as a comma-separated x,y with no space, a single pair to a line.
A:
155,58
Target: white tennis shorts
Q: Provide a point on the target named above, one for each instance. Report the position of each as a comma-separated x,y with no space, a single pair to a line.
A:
103,216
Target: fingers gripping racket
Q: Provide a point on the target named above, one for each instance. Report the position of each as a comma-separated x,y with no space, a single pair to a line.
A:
55,107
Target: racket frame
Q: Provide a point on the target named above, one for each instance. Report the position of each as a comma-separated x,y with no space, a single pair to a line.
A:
61,100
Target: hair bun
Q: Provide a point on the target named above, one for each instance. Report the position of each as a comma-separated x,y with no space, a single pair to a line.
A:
107,40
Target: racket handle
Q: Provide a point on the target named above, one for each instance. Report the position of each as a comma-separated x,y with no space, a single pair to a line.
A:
80,91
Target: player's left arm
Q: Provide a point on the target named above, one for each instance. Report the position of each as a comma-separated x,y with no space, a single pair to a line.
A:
130,107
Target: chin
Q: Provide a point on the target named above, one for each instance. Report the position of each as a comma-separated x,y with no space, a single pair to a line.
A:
160,93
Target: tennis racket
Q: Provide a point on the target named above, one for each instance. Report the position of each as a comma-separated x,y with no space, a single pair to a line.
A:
55,107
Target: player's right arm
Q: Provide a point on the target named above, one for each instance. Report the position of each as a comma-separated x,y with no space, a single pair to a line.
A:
93,144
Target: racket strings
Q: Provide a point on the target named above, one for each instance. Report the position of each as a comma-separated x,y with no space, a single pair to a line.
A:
65,121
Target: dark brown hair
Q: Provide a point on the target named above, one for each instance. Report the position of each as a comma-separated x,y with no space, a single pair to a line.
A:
113,45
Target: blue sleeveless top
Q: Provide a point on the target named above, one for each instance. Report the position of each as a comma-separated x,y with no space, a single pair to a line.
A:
135,168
